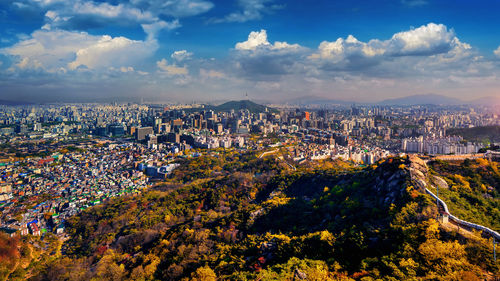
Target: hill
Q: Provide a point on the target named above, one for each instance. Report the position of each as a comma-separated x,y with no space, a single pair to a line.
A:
240,217
471,190
432,99
243,104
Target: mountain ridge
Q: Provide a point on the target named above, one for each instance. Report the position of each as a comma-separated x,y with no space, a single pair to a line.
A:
425,99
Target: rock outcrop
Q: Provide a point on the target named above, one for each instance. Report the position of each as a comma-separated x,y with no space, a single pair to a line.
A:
418,172
439,182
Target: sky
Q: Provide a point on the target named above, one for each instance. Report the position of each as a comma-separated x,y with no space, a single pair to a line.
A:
274,50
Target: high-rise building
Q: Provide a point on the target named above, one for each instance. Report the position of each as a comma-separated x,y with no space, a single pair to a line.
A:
141,133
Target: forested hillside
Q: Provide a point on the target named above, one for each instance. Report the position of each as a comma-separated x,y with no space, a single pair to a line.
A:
471,190
239,217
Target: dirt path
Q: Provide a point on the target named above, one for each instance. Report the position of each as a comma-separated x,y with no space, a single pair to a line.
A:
462,231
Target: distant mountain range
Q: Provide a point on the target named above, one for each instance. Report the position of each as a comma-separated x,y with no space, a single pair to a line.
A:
435,99
422,99
427,99
486,101
314,100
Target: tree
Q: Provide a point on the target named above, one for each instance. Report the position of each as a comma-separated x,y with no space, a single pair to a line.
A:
108,269
204,273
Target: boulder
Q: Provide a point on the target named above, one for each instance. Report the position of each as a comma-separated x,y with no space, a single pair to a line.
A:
440,182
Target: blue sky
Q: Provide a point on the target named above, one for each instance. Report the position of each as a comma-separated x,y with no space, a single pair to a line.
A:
205,50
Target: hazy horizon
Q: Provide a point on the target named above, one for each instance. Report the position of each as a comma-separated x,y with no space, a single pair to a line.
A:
184,50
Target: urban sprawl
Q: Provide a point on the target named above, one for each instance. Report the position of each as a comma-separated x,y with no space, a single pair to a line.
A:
57,160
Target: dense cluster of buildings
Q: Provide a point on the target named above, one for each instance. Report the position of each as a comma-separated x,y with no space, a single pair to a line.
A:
444,145
118,149
39,194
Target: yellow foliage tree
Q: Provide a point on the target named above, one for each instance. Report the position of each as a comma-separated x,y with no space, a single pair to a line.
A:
108,269
446,259
204,273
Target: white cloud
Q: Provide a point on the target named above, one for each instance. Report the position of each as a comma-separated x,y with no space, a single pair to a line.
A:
152,29
255,39
341,48
45,3
135,9
126,69
175,8
123,69
426,51
181,55
425,40
430,39
250,10
258,39
106,10
86,14
497,52
171,69
108,51
27,63
54,50
258,59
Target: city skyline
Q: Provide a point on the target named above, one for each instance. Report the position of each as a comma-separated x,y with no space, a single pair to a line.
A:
202,50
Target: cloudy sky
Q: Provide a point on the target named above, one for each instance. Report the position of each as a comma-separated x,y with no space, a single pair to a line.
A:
207,50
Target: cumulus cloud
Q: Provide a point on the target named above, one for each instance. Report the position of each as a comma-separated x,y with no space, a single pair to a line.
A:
171,69
430,39
152,29
108,51
258,59
250,10
55,50
27,63
341,48
426,40
135,9
497,52
421,59
429,50
421,51
82,15
152,15
181,55
258,39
